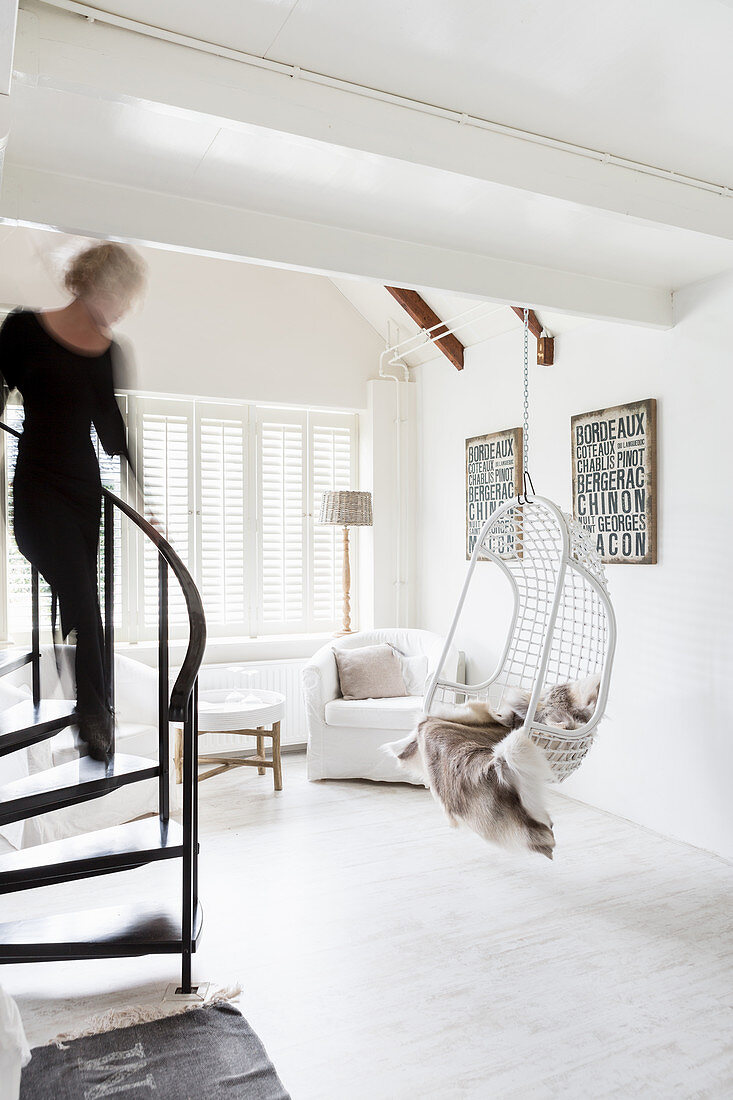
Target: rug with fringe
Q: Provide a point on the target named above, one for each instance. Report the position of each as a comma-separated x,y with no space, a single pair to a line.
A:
210,1052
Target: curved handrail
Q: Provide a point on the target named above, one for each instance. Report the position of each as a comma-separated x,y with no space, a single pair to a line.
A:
194,655
193,658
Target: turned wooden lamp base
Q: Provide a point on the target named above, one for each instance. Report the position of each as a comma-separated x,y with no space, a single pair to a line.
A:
346,508
346,579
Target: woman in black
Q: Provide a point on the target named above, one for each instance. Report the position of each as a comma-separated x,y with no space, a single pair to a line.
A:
61,361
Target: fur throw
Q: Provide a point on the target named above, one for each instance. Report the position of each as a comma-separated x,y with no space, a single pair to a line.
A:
483,769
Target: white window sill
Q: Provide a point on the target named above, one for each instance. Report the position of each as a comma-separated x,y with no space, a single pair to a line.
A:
268,647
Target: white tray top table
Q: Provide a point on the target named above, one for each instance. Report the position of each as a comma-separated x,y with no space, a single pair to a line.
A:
245,711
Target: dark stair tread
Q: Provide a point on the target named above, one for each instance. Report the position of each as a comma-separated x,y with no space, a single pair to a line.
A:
103,852
69,784
97,933
12,659
23,724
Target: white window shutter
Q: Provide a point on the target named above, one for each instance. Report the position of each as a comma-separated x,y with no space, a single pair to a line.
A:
18,570
111,475
332,455
166,469
282,512
222,567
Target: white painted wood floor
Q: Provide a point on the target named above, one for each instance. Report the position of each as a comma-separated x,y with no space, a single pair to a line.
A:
384,955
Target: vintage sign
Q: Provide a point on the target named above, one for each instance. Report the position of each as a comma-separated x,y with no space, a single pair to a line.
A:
615,480
493,476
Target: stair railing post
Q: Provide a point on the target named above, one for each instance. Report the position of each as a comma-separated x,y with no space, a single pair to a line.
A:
195,837
109,605
187,910
35,638
163,689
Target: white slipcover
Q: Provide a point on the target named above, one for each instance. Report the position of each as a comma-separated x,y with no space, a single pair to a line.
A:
14,1050
136,706
345,736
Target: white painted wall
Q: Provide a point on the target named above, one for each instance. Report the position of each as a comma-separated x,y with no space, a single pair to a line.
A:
227,329
665,753
220,328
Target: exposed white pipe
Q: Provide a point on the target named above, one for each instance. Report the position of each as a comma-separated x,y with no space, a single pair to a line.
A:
392,357
445,326
429,336
461,118
383,373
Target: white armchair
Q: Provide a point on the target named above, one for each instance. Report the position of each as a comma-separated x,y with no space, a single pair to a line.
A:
345,736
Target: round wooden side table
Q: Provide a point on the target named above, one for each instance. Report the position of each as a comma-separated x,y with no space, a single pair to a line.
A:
247,713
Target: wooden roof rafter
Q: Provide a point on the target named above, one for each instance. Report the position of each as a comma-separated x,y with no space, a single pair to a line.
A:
439,332
418,309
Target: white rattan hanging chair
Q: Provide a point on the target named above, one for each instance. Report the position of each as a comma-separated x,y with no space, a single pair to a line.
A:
563,627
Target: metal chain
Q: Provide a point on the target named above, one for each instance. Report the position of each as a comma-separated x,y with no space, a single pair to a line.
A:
525,434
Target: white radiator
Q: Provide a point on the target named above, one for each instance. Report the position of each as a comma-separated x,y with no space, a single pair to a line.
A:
282,676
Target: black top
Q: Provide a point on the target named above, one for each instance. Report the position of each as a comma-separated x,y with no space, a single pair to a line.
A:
64,392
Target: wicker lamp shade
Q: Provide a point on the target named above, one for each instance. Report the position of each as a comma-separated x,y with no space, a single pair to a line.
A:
346,508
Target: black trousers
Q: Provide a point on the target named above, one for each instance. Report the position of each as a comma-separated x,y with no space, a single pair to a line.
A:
57,531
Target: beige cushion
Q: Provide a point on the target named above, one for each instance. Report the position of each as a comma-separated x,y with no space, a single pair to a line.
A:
375,714
370,672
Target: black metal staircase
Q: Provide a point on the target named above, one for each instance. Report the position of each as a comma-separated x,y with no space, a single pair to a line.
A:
108,933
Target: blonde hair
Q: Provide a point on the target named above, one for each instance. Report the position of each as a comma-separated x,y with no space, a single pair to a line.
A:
109,267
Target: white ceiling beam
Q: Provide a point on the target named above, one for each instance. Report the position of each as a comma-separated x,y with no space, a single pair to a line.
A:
8,22
61,50
4,128
104,210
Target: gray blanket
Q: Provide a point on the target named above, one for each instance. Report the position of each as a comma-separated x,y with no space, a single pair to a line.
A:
208,1052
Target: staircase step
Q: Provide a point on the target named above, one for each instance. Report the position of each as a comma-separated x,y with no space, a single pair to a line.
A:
99,853
69,784
97,934
12,659
23,724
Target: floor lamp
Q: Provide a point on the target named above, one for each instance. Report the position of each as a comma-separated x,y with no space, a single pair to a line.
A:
346,508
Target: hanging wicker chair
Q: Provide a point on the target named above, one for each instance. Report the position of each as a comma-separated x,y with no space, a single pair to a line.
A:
563,626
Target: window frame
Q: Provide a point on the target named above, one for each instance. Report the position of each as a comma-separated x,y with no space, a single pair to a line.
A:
131,626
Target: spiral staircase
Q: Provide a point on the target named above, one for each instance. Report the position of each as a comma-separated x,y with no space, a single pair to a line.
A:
161,927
